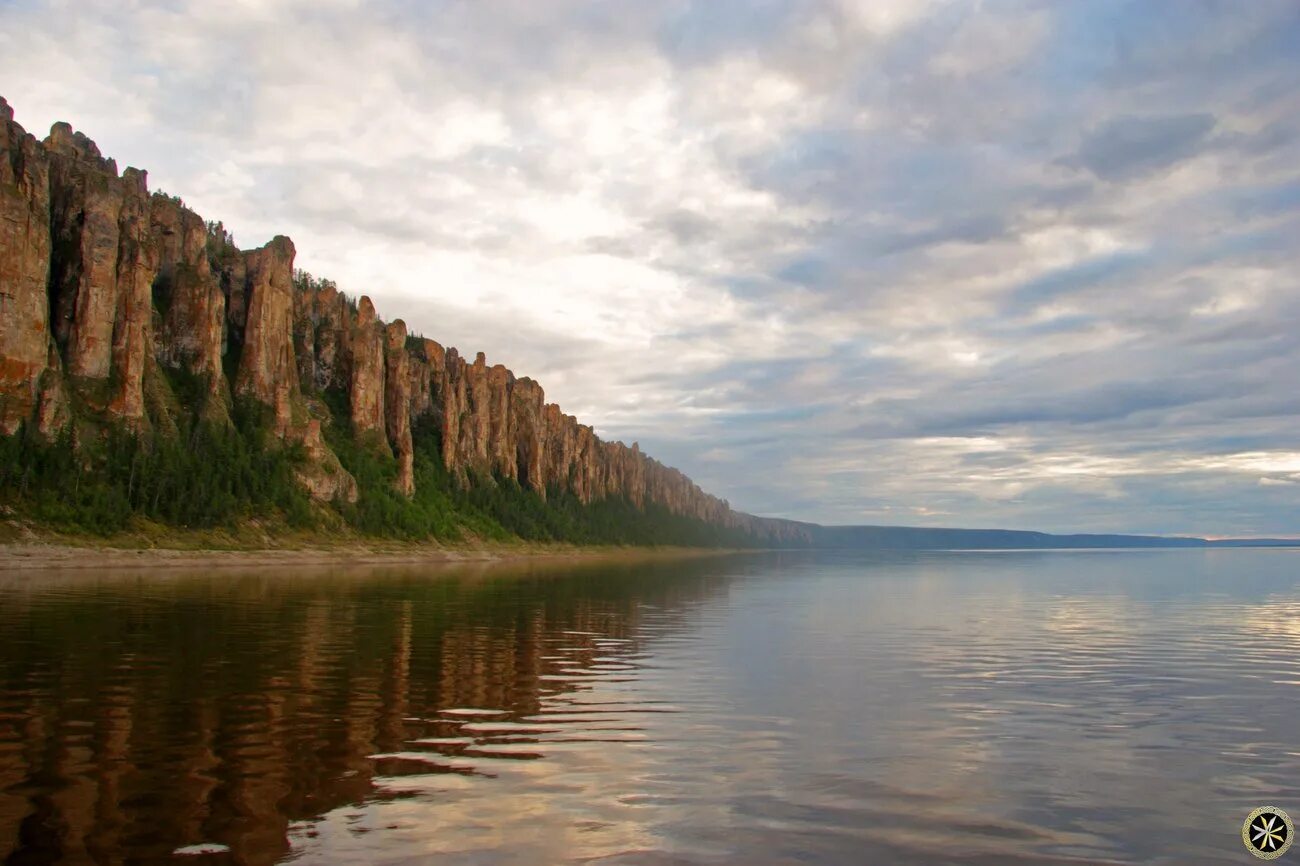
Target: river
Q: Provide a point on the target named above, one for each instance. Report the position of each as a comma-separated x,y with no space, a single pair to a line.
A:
999,708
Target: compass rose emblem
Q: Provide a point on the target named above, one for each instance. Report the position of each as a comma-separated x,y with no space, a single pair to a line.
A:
1267,832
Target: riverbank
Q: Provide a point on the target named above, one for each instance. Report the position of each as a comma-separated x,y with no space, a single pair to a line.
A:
34,556
150,545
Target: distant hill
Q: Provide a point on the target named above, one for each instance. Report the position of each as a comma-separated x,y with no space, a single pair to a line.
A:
925,538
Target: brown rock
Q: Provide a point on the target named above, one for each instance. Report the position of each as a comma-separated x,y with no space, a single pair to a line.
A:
367,380
101,269
85,204
193,306
501,448
321,318
24,271
475,416
455,412
305,320
52,412
133,319
267,360
528,428
86,256
447,401
397,405
232,275
421,383
323,476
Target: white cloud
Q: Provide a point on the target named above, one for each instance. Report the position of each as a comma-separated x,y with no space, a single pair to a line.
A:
854,244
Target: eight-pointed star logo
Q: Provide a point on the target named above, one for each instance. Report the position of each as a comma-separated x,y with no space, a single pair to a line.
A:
1267,832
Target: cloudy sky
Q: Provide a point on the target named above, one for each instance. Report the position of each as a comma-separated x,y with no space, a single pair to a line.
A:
1017,264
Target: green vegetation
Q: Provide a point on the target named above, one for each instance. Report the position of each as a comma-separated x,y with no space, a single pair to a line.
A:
212,475
381,511
303,281
221,244
497,509
563,517
209,475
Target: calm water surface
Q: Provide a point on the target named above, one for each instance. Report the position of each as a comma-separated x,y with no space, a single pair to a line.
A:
1092,707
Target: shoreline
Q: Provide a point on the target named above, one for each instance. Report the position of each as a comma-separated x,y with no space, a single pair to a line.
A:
64,555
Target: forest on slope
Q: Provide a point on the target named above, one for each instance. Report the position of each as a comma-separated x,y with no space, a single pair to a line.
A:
150,370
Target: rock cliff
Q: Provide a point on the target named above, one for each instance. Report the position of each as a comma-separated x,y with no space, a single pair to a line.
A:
26,351
191,307
108,294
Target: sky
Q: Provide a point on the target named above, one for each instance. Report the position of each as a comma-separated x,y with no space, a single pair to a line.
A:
987,264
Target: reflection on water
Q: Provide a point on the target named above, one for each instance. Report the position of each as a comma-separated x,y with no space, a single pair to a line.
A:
1125,707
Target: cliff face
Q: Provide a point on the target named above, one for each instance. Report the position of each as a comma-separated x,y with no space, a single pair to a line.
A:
397,404
267,362
105,290
191,307
25,341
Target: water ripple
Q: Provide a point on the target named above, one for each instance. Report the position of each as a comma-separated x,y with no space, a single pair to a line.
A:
902,708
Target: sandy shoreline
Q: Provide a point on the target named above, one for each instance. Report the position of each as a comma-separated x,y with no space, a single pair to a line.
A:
41,556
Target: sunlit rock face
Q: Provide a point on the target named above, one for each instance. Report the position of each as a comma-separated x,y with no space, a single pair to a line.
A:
101,270
267,361
25,340
366,383
109,293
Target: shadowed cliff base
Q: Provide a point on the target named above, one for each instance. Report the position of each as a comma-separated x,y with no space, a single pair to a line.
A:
151,369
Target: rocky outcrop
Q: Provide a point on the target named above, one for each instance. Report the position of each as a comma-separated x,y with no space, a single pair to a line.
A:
267,361
108,294
366,384
421,376
101,271
104,287
85,204
77,263
133,318
323,475
25,341
188,298
397,405
527,412
474,419
320,337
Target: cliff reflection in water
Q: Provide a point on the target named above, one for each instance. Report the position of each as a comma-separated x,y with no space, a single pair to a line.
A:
769,709
273,713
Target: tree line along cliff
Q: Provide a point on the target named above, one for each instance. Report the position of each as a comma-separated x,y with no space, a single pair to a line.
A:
124,310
